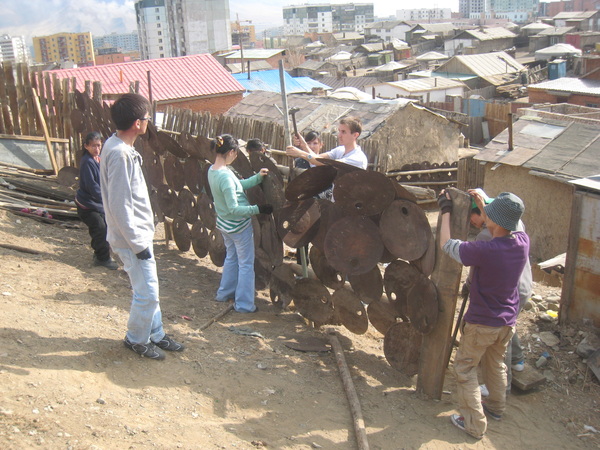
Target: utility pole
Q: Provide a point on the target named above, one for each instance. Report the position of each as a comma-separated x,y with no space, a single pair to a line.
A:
241,38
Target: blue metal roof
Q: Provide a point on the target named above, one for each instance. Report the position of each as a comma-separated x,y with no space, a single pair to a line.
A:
268,80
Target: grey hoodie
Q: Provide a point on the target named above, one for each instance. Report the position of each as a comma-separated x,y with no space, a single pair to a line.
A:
129,217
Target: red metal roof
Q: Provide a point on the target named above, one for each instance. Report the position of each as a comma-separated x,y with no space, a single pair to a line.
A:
172,78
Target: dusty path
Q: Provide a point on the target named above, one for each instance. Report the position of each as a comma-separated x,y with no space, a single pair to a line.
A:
66,381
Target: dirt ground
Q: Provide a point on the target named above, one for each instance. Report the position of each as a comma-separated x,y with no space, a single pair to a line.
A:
67,381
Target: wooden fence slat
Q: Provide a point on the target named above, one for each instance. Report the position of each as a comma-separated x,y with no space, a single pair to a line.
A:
11,91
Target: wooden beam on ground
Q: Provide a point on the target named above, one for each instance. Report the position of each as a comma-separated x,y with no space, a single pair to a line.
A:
446,276
217,317
19,249
38,108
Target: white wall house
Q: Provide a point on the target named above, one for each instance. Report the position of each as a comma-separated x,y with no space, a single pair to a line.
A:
424,89
387,30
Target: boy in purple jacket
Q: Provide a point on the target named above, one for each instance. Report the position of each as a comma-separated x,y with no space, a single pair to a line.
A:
494,304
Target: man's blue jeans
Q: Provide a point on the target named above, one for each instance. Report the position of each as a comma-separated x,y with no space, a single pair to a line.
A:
145,318
237,281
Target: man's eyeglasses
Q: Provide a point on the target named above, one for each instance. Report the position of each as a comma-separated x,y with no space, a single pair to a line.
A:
146,118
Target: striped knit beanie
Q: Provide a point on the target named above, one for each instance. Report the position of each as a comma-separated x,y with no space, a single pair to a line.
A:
506,210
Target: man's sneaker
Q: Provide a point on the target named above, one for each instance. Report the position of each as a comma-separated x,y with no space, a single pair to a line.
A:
519,367
484,390
459,422
147,350
109,263
492,414
168,344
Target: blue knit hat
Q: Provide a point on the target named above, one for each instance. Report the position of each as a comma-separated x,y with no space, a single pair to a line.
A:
506,210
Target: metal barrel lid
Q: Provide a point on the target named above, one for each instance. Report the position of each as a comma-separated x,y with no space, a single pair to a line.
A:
200,239
423,305
154,170
181,234
382,314
365,193
405,230
207,212
402,348
297,223
167,200
368,286
272,184
329,276
350,311
313,301
174,172
282,284
353,245
216,248
188,208
192,174
309,183
398,279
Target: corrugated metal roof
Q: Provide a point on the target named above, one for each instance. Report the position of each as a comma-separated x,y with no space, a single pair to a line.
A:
571,85
431,56
555,31
254,65
357,82
486,63
592,183
426,84
445,27
574,15
488,34
255,53
268,80
536,26
172,78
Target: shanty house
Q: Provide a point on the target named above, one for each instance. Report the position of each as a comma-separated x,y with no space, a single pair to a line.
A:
483,40
548,37
387,30
270,55
577,91
392,130
580,20
196,82
434,89
315,69
269,80
551,145
439,30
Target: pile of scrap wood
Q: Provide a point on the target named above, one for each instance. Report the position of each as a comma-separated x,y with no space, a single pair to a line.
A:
41,198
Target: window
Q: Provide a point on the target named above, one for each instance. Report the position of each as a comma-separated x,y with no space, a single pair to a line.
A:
158,25
160,48
162,55
156,10
160,41
157,17
160,33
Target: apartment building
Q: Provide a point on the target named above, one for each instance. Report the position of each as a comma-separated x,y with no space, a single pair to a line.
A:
61,47
424,14
326,18
126,42
13,49
170,28
518,11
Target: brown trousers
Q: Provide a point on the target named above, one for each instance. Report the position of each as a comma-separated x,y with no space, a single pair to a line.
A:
487,345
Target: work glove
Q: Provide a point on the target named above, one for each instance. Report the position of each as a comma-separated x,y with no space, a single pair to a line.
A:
265,209
444,203
144,254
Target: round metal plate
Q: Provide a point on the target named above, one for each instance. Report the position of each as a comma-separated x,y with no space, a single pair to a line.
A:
192,173
68,176
174,173
423,306
353,245
398,279
426,263
402,193
262,269
329,214
272,184
205,182
313,301
204,147
270,241
405,230
309,183
242,165
81,100
216,248
363,192
297,223
154,170
78,120
324,272
167,200
282,283
350,311
382,314
368,286
188,144
188,209
181,234
199,239
206,209
341,167
170,145
256,196
402,348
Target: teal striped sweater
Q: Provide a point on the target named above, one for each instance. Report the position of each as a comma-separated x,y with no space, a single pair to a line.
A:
231,203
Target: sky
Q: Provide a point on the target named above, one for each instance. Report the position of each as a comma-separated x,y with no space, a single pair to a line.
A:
43,17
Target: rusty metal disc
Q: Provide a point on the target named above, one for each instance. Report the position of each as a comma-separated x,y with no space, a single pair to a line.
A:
262,269
156,209
270,241
403,193
313,301
206,184
405,230
242,165
174,173
152,138
329,214
200,239
81,100
353,245
402,348
181,234
340,166
255,230
328,275
206,209
387,257
282,283
78,120
272,184
192,174
423,306
382,314
309,183
216,248
256,196
398,279
368,286
68,176
426,263
188,209
350,311
170,145
363,192
154,169
204,147
297,223
188,143
167,200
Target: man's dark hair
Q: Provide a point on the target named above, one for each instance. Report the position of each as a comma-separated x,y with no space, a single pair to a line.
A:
254,145
312,135
353,123
127,109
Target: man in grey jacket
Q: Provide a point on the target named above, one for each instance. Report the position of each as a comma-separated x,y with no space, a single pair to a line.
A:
130,226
